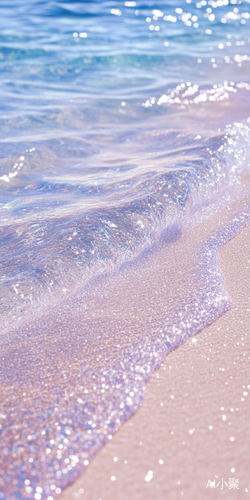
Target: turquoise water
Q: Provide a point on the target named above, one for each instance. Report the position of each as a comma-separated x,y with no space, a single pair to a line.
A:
100,102
120,122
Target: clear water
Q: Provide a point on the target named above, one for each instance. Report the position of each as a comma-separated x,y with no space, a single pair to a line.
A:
123,125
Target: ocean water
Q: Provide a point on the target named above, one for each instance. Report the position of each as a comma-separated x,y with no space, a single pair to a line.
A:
125,139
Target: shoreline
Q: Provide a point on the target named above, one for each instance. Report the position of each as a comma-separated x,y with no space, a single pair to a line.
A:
170,293
189,433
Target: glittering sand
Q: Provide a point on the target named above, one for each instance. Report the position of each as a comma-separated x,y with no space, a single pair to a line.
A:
42,378
193,426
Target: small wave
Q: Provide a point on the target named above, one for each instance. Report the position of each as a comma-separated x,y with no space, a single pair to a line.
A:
50,251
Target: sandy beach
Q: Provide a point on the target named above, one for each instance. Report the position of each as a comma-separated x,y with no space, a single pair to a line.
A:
190,438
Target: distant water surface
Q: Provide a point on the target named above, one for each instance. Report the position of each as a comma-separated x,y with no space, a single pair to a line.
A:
121,125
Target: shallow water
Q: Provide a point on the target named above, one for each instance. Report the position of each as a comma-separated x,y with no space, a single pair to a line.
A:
123,127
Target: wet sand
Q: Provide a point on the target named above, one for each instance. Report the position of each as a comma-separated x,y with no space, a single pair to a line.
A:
193,425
